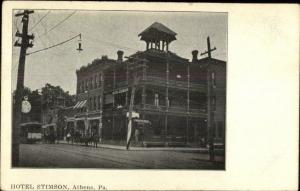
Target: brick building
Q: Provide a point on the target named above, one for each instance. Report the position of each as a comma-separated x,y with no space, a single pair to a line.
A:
178,102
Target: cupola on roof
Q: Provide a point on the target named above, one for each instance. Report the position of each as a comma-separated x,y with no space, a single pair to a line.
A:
158,35
158,31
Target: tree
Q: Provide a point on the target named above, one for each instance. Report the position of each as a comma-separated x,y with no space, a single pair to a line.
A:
56,96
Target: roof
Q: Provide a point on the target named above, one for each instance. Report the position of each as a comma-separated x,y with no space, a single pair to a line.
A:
103,64
158,27
159,54
207,59
30,123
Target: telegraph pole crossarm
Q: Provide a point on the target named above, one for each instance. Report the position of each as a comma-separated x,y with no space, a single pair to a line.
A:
25,43
209,50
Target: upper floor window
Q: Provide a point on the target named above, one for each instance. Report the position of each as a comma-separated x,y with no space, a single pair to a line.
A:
91,83
99,80
91,103
86,84
99,102
213,79
214,103
95,81
156,100
94,103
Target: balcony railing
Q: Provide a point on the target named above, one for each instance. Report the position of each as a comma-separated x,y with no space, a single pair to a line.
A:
154,80
173,83
171,109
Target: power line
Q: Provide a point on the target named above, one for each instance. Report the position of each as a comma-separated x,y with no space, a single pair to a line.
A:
110,43
86,36
40,20
53,45
59,23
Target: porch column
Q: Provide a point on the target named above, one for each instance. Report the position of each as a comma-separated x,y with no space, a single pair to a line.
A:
167,97
144,87
127,82
75,125
87,126
188,101
144,97
100,127
101,105
113,126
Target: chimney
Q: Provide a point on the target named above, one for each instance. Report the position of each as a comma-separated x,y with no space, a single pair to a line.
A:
120,55
104,57
195,55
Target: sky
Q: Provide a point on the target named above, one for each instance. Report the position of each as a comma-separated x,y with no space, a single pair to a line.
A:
104,33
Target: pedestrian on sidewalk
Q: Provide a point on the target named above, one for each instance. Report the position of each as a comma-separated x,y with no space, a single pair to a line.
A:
95,139
68,137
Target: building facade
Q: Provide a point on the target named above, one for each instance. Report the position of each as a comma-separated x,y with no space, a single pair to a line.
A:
177,101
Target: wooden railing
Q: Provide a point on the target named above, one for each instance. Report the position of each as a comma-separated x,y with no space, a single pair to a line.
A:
154,80
171,109
173,83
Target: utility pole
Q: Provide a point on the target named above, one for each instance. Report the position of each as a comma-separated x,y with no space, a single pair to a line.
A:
210,116
134,68
130,110
20,83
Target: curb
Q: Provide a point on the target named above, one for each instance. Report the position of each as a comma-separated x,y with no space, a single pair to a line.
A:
143,148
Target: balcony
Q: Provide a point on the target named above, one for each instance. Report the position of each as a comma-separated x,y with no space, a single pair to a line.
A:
159,81
171,110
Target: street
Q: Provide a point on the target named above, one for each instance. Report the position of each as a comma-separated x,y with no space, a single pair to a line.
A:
76,156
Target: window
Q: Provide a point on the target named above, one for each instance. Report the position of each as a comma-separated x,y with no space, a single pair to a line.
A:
220,129
99,101
91,83
79,87
91,104
156,100
214,103
95,81
99,80
95,103
213,79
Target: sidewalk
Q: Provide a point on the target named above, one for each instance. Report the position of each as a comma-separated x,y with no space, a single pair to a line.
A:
118,147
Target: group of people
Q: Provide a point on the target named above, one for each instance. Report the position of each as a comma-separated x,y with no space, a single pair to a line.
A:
83,138
50,138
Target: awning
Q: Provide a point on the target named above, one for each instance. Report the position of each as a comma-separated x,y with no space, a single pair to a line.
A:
82,104
48,125
71,119
77,104
133,115
120,91
142,121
